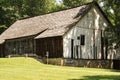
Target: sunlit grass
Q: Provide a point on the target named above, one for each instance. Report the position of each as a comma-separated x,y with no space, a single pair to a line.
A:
31,69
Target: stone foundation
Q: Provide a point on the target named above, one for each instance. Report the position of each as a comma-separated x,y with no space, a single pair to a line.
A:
89,63
108,64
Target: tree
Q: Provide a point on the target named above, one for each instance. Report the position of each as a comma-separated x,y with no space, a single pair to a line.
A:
12,10
38,7
112,9
7,16
74,3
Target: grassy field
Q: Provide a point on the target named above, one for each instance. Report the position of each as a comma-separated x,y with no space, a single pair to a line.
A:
30,69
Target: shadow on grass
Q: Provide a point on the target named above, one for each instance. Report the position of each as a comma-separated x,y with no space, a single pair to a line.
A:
100,77
114,70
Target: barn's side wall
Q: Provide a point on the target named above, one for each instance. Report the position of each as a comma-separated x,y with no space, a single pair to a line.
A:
53,46
2,50
92,26
20,46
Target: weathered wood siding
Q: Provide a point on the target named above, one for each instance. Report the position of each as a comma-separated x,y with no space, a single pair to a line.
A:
92,26
2,50
53,45
20,46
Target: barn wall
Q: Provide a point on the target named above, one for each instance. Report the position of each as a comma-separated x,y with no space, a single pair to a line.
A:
20,46
52,45
2,50
92,26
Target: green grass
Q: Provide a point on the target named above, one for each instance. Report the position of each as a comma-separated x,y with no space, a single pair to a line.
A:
30,69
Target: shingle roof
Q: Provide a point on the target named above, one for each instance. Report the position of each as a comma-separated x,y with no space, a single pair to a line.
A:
56,24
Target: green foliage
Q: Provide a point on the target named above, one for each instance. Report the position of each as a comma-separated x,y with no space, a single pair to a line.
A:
37,7
8,13
2,28
7,16
74,3
12,10
112,9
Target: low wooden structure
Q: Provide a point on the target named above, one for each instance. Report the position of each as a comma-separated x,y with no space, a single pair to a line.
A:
20,46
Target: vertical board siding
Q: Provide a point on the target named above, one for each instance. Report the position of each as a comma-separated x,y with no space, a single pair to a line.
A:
2,50
19,46
53,45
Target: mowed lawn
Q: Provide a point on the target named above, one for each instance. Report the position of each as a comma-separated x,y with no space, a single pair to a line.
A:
31,69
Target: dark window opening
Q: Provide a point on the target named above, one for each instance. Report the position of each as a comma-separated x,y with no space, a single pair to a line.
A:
82,39
78,37
102,48
72,47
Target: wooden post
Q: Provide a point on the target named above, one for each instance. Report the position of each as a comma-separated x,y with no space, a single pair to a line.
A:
26,55
62,62
47,55
9,56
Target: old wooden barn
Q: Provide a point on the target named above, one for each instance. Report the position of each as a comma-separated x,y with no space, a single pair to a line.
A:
71,37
